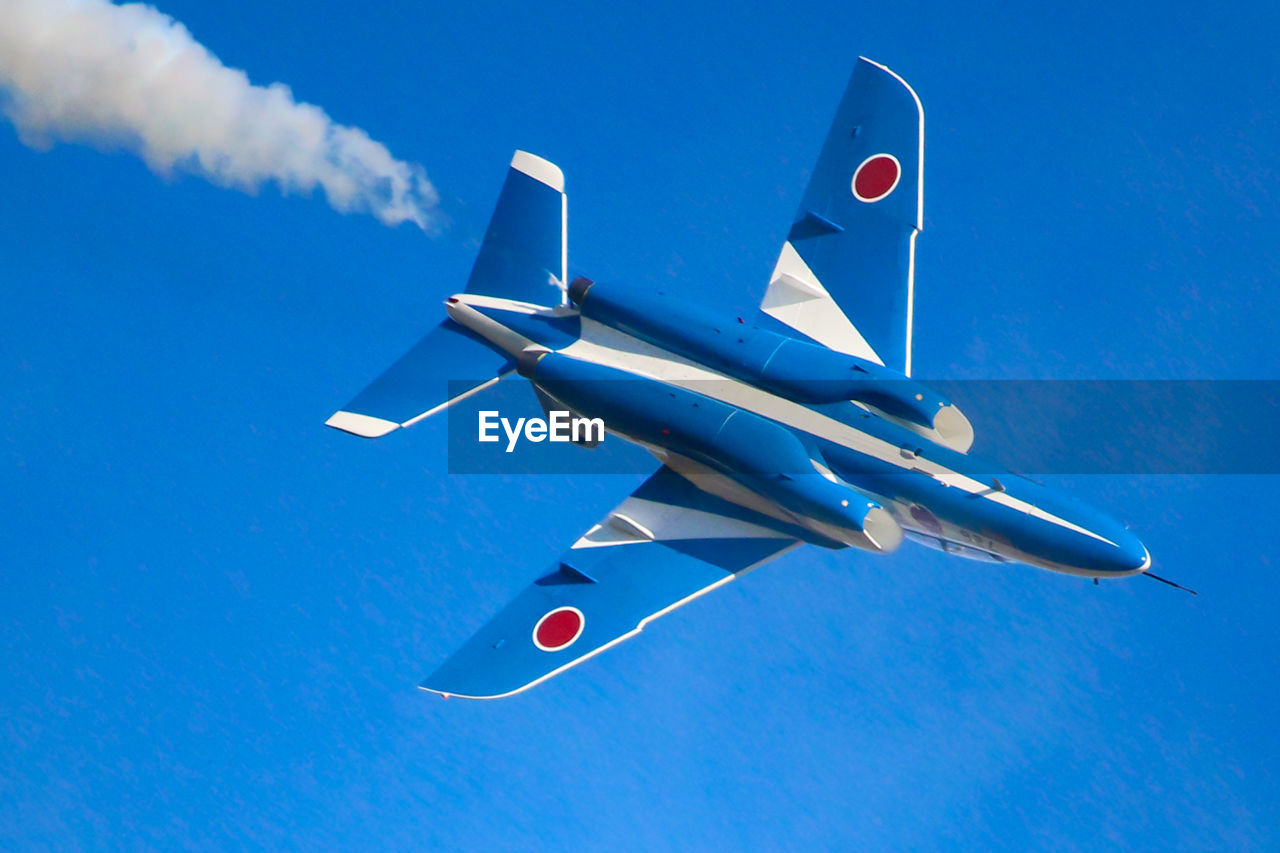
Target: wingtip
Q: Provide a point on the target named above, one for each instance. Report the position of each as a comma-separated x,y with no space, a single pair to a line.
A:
869,61
449,694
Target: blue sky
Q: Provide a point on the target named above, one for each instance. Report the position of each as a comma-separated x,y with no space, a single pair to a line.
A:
216,611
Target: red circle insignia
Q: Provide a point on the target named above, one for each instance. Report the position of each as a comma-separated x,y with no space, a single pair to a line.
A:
876,177
559,629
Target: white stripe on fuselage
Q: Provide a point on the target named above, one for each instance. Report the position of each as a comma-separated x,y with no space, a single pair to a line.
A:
607,346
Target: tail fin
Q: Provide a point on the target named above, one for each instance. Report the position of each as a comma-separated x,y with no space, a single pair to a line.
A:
524,257
526,248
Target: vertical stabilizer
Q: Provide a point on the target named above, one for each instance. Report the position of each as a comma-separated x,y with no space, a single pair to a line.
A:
525,251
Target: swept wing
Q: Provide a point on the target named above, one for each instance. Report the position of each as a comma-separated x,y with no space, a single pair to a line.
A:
845,275
662,547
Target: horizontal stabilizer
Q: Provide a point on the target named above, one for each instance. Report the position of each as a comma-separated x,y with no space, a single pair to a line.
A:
448,364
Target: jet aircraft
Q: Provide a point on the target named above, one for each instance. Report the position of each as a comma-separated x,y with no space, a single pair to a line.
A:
799,426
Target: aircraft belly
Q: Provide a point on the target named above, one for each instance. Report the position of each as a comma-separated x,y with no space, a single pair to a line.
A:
861,447
760,454
877,455
708,480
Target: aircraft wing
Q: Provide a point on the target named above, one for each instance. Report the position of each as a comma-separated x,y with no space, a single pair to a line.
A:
662,547
845,275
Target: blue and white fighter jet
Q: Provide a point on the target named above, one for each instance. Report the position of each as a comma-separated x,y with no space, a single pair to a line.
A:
801,425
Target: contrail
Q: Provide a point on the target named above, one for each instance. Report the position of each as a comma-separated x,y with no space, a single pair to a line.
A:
131,77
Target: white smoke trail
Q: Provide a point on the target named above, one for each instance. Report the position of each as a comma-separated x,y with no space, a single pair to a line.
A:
132,77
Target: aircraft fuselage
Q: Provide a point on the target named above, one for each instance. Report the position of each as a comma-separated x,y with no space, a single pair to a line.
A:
849,452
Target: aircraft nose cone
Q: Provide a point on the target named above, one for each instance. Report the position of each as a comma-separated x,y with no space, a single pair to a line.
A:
1131,555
